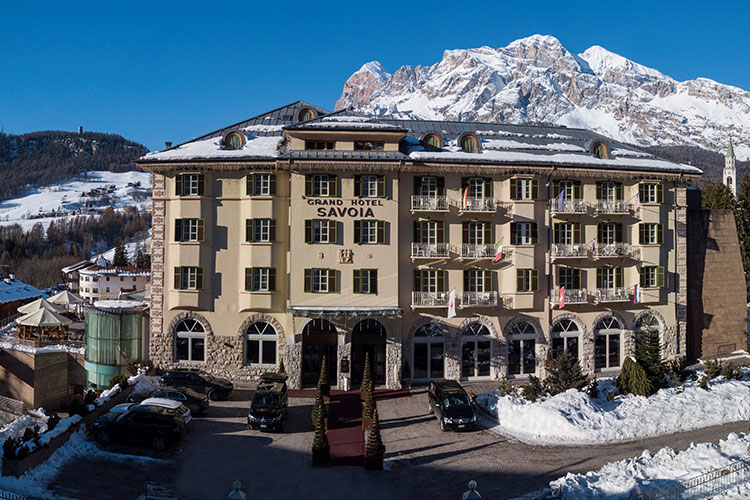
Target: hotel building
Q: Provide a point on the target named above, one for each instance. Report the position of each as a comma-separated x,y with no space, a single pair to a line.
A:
301,233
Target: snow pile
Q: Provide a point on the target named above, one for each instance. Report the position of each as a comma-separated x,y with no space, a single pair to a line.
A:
665,468
17,427
10,342
144,383
574,418
46,437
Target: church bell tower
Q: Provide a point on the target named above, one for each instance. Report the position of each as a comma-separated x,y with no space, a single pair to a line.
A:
729,175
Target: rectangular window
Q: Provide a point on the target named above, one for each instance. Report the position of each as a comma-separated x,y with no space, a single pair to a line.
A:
430,280
368,146
606,350
572,190
652,277
321,185
261,184
609,277
427,186
523,233
609,233
565,344
521,357
524,189
527,280
429,232
477,280
569,277
369,186
190,185
650,234
477,233
189,229
608,191
320,145
649,192
567,233
320,231
320,280
260,230
366,281
260,279
188,278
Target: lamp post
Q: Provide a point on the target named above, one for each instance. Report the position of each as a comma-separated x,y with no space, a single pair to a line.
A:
471,493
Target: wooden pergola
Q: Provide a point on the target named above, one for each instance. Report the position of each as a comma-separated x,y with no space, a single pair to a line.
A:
43,327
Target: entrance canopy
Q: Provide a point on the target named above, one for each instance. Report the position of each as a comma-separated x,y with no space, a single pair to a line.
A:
37,305
336,311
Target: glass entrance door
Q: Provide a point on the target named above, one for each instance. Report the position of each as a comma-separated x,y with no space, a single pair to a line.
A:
475,358
312,356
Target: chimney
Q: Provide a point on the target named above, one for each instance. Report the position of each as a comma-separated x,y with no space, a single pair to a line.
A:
80,130
168,144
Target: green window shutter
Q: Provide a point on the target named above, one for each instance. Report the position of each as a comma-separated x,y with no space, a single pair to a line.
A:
642,279
659,193
272,229
555,189
513,189
308,185
660,276
201,184
440,232
356,281
332,285
519,280
333,234
177,278
642,192
660,233
199,278
440,183
618,191
178,185
600,232
248,279
417,186
641,233
577,279
380,228
618,232
271,279
272,184
333,185
357,186
250,185
308,280
487,280
598,190
249,230
577,190
488,233
464,184
534,189
467,277
618,277
308,231
534,233
417,280
599,277
513,233
556,232
488,191
178,229
201,229
381,186
534,280
441,284
417,231
374,281
357,232
465,232
577,233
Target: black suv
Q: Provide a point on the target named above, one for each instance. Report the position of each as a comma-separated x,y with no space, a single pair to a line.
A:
215,388
269,406
157,426
449,401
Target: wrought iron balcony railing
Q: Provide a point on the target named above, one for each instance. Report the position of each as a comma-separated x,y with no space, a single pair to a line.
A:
429,299
575,206
470,251
612,207
479,299
478,204
430,250
572,296
616,294
421,203
568,251
613,250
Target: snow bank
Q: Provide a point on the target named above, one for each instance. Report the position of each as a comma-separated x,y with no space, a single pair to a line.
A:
46,437
573,418
144,383
17,427
617,480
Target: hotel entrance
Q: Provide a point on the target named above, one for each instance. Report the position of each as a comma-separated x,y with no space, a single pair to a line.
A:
368,337
319,338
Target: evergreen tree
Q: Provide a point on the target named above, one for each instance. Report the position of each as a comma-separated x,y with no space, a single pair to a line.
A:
565,373
369,410
140,259
648,356
282,369
319,408
718,195
366,384
323,378
633,379
375,446
320,440
121,255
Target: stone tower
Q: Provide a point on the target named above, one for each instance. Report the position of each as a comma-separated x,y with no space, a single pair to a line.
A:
729,175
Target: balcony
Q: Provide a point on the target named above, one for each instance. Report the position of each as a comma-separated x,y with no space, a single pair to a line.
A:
429,299
612,207
576,206
430,250
616,294
572,296
615,251
470,251
429,203
479,299
477,204
561,251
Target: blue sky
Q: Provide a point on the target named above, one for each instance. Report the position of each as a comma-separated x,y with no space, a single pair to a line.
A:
175,70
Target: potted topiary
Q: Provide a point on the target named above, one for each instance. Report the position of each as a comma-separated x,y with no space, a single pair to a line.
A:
375,449
319,409
368,413
366,384
325,388
321,453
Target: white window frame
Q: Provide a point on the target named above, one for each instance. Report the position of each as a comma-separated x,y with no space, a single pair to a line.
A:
523,233
566,275
190,183
652,276
608,277
195,332
523,188
261,230
476,187
190,229
568,188
261,279
608,191
429,187
189,278
321,230
319,281
649,192
527,280
264,334
609,233
429,232
476,280
476,233
368,186
262,184
365,280
369,231
566,233
651,234
428,280
320,185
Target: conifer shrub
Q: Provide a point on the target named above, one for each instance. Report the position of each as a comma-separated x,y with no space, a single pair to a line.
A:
319,408
731,372
704,383
648,356
323,378
320,440
119,379
564,374
369,409
593,389
507,388
712,368
375,446
678,371
366,385
611,396
633,379
534,389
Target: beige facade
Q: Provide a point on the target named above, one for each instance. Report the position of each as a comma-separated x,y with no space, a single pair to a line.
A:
108,283
215,305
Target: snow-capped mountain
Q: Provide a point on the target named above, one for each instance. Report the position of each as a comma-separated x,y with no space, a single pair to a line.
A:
536,79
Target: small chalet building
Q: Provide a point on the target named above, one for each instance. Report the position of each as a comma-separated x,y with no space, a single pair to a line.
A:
98,282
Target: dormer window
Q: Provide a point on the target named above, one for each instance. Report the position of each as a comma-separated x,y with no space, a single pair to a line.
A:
469,143
233,140
306,114
320,145
599,149
432,141
369,146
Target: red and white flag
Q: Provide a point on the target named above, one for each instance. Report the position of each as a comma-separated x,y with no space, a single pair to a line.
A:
562,297
499,250
452,303
636,298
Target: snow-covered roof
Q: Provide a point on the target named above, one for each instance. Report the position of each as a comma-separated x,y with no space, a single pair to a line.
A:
119,305
77,266
116,271
12,290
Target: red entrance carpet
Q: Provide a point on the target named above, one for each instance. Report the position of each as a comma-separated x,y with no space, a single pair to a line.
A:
379,393
345,435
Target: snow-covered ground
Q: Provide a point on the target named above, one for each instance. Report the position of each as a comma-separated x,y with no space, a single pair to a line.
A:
78,197
664,468
573,418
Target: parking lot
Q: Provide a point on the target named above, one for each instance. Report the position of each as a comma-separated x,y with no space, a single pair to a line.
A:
424,462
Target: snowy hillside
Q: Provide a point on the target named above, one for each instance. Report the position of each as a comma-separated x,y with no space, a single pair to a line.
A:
536,79
81,197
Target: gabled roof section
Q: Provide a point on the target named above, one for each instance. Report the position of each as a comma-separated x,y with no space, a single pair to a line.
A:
346,120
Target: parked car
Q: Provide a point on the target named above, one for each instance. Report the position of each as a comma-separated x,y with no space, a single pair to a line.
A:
215,388
197,402
268,408
157,423
452,406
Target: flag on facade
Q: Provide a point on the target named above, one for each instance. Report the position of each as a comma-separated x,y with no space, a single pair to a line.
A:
593,246
560,201
452,303
499,250
636,299
637,201
466,197
562,297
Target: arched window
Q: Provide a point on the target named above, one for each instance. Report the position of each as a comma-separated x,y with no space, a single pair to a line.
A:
647,322
469,144
599,149
607,343
233,140
428,352
306,114
260,344
522,349
475,350
432,141
190,341
565,337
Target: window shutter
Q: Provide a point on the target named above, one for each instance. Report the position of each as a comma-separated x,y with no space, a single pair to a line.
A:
199,278
577,279
556,233
642,192
356,281
441,285
487,280
178,185
519,280
357,186
177,278
577,190
333,235
467,277
250,185
440,233
332,285
660,276
642,279
272,229
618,277
381,186
417,186
357,232
513,233
440,184
618,191
248,279
333,185
249,230
599,277
599,192
374,281
271,279
489,233
201,184
534,189
513,189
308,185
178,229
417,231
464,184
555,189
618,233
465,233
308,280
380,227
534,233
534,280
488,187
417,280
659,234
272,184
659,193
641,233
600,232
201,229
308,231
